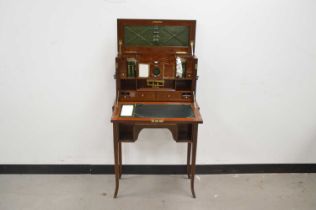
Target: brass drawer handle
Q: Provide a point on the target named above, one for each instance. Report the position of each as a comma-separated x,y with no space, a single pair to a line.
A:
157,121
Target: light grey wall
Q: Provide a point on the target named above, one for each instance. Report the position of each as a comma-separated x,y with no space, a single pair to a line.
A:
257,86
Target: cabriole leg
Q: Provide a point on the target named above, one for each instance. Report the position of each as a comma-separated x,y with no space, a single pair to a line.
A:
120,158
189,159
194,145
116,158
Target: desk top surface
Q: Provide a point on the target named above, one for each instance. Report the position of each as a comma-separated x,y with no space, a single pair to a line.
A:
167,112
163,110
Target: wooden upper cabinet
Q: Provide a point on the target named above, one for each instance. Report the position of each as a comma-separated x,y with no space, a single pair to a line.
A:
156,60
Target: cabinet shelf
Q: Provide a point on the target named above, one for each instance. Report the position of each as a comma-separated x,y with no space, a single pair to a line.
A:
128,78
156,89
179,84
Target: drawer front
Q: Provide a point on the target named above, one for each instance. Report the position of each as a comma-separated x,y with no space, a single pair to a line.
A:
186,96
168,96
145,96
189,70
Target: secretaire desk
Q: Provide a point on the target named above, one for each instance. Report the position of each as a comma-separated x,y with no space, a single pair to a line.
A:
156,74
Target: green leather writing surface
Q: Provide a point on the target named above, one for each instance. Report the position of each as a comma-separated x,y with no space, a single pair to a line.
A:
143,36
163,110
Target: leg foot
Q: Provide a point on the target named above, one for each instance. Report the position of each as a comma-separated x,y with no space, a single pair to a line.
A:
192,187
116,187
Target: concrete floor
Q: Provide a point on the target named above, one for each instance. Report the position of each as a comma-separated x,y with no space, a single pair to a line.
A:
150,192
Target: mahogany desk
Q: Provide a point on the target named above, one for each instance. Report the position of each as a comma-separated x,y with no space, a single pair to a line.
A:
156,73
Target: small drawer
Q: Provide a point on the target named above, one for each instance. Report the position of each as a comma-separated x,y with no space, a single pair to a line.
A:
146,96
186,96
127,95
121,68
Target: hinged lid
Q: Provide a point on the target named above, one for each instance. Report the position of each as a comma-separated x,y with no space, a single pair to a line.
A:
153,36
